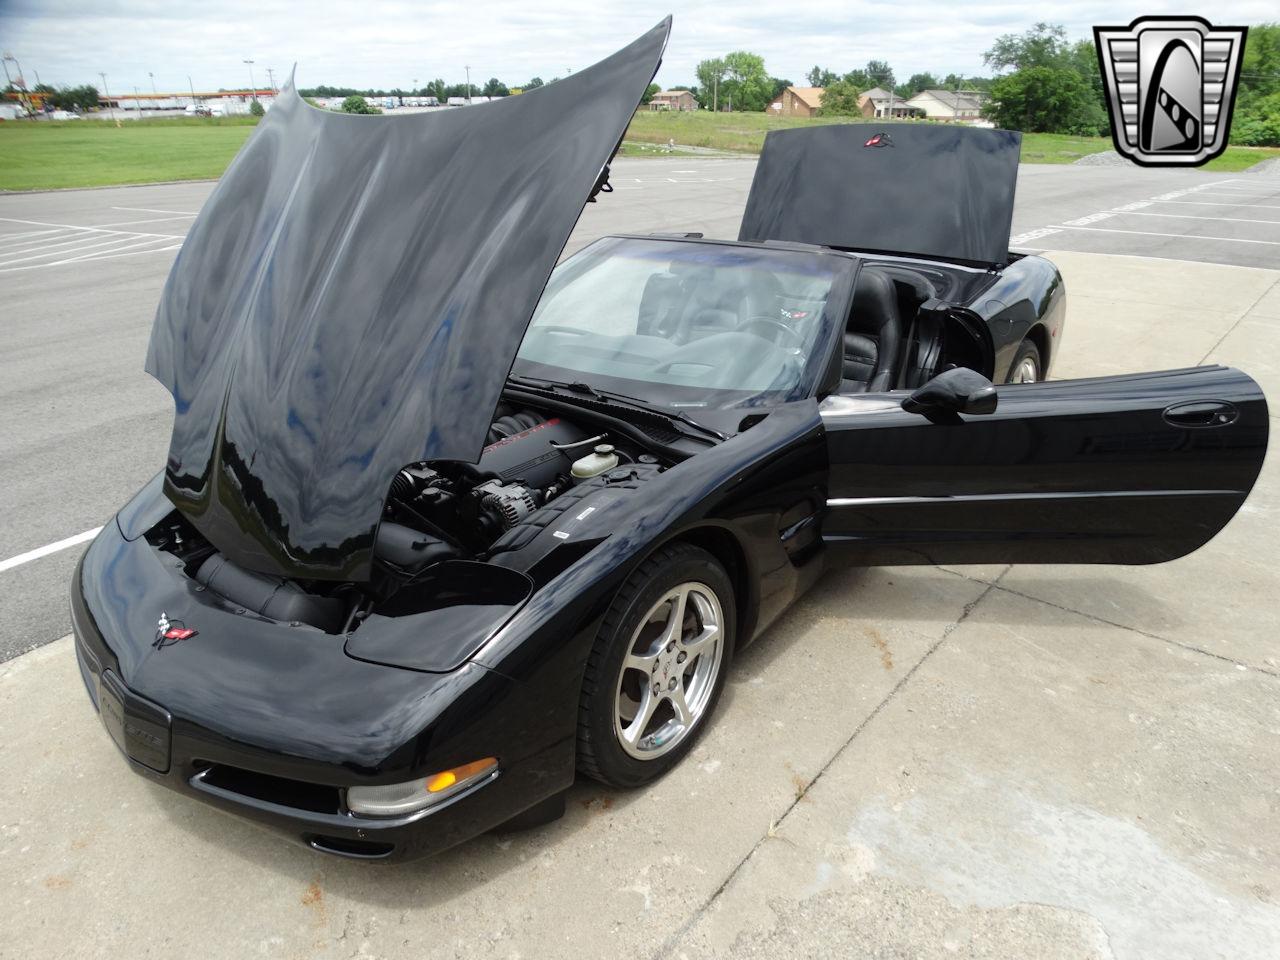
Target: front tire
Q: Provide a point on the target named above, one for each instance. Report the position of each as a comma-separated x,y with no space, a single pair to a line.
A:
1027,366
657,667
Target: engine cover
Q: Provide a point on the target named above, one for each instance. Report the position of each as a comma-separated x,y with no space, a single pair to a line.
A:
529,456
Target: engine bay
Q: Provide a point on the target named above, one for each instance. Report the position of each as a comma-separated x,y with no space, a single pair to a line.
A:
457,510
438,512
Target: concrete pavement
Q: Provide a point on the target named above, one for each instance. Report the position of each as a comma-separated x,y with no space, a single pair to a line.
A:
990,762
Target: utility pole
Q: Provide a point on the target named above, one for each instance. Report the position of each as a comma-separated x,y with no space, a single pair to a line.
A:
715,95
252,92
192,86
271,80
137,101
111,111
153,82
468,69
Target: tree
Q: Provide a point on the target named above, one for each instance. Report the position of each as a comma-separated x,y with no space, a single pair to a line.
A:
778,84
533,84
256,109
649,92
840,99
917,83
746,85
1055,85
818,77
1044,45
710,75
1045,100
495,88
879,74
1257,115
859,79
358,104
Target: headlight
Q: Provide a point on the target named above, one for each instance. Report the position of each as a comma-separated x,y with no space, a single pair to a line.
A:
397,799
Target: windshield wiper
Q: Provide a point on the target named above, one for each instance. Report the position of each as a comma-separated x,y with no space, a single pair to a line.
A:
578,386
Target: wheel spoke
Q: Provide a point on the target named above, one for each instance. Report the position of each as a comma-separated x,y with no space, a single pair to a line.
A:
644,713
675,621
681,707
704,641
643,662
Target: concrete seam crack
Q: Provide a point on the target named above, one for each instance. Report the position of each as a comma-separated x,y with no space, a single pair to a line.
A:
1182,644
670,943
1239,320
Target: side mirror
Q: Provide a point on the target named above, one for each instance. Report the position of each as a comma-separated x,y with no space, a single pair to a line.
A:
959,390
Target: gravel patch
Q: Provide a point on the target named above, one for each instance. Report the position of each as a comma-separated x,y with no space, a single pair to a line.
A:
1267,168
1107,158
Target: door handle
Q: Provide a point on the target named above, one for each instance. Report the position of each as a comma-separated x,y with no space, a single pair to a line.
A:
1201,413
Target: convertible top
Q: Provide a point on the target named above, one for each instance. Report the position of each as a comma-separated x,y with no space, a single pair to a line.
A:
350,299
931,190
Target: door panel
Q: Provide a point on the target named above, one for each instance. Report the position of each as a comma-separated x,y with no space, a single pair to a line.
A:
1134,469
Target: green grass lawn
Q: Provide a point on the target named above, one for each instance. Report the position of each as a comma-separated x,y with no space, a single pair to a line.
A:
745,132
91,153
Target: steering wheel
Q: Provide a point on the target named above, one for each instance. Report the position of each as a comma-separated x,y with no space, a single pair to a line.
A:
775,327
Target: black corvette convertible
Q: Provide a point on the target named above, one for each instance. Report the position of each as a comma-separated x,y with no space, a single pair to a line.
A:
443,523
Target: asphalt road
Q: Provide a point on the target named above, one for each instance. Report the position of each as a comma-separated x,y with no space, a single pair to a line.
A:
82,271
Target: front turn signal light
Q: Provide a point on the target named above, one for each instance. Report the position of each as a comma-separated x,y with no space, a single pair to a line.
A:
398,799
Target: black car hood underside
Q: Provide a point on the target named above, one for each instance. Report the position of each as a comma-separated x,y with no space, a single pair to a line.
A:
932,190
350,300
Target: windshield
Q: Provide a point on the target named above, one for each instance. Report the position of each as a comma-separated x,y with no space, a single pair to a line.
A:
680,324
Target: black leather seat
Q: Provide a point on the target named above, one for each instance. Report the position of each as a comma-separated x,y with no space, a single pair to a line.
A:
873,335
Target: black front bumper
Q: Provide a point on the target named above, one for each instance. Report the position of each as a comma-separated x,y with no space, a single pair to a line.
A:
303,798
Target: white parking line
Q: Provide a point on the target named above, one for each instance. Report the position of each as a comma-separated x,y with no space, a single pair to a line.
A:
1178,236
1192,216
129,223
183,213
1223,203
94,257
1269,195
72,226
1023,239
44,551
93,239
10,237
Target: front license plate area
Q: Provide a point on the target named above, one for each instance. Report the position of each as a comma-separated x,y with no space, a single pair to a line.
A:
139,727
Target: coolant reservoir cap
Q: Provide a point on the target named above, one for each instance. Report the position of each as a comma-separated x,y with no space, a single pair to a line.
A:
604,449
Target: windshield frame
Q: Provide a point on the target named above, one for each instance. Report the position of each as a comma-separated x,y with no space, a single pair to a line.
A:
844,267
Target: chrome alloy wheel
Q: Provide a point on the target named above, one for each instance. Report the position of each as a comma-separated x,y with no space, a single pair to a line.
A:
1028,371
670,671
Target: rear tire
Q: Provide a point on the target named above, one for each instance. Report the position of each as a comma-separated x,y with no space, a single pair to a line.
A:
1027,367
651,686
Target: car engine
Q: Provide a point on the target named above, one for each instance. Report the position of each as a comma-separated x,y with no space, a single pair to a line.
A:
440,510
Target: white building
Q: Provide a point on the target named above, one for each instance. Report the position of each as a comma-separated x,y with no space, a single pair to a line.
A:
882,103
963,105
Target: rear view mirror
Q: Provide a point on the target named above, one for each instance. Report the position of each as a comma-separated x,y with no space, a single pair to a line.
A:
959,390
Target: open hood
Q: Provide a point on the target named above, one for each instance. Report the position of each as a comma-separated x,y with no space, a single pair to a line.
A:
351,297
917,189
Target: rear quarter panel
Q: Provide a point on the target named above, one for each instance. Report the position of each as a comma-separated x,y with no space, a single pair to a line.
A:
1028,299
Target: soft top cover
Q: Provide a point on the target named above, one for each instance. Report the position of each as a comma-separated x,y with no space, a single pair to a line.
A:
350,299
932,190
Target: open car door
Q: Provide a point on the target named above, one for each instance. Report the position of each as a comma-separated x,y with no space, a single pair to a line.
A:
1130,469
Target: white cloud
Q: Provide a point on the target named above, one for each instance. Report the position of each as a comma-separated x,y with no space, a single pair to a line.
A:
387,44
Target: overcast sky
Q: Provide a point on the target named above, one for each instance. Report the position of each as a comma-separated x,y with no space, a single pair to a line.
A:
389,44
